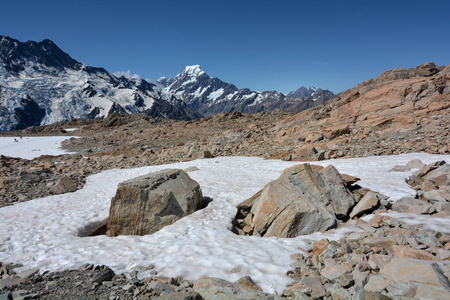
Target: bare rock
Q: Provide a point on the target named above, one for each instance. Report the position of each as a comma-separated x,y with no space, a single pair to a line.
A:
216,288
104,275
411,205
300,201
408,252
415,164
416,278
146,204
368,203
65,185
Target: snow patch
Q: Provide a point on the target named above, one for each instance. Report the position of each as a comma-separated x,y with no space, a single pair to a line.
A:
200,244
216,94
31,147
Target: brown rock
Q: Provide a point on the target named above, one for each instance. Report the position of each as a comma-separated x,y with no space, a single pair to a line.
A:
146,204
334,272
408,252
320,246
368,203
418,276
65,185
299,202
385,243
248,282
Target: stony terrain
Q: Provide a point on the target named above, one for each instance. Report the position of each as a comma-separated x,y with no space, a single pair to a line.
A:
403,110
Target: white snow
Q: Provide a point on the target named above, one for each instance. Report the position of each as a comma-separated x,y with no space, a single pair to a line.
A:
194,70
216,94
50,232
31,147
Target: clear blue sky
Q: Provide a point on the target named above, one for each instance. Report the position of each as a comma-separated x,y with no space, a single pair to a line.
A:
262,45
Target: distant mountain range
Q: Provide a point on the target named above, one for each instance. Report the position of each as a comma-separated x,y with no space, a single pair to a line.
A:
41,84
210,95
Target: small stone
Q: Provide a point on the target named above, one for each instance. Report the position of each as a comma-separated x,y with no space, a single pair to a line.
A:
104,275
108,284
376,283
128,287
248,282
160,287
346,280
320,246
248,219
6,295
9,281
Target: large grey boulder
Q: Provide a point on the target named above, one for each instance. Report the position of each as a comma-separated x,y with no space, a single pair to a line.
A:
146,204
301,201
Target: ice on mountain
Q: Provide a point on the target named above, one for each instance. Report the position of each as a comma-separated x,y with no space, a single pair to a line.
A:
216,94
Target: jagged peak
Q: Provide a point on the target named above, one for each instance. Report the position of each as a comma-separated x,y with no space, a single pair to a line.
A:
194,70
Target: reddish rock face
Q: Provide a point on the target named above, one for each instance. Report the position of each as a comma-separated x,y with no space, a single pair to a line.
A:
406,109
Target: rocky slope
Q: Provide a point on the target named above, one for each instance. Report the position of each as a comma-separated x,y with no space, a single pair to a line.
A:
403,110
210,95
41,84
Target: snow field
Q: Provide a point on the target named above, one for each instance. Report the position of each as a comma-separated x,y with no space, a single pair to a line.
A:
31,147
47,232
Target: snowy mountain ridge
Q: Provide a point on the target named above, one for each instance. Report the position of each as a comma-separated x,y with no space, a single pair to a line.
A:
40,84
210,95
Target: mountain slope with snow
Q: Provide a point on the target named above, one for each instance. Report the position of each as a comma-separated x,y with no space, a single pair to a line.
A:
41,84
210,95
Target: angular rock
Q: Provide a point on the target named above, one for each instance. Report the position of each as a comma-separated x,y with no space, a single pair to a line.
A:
334,272
160,287
384,243
411,205
9,281
415,278
6,295
248,282
216,288
415,164
65,185
376,283
369,202
438,173
104,275
320,246
300,201
146,204
181,296
408,252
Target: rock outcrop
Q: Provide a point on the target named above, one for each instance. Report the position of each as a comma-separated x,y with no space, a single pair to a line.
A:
146,204
301,201
401,110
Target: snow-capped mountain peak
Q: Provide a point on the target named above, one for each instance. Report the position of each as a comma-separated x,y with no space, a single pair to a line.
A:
41,84
193,71
210,95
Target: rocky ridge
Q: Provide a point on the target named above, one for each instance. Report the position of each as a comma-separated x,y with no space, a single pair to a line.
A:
403,110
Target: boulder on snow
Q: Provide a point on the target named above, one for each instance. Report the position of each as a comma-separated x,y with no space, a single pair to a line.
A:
301,201
432,176
146,204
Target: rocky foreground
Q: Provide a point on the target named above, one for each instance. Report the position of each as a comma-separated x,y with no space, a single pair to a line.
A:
384,257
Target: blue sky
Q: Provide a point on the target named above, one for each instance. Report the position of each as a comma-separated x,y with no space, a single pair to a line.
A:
262,45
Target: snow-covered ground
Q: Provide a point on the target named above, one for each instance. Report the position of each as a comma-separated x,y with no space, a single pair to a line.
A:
48,233
31,147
